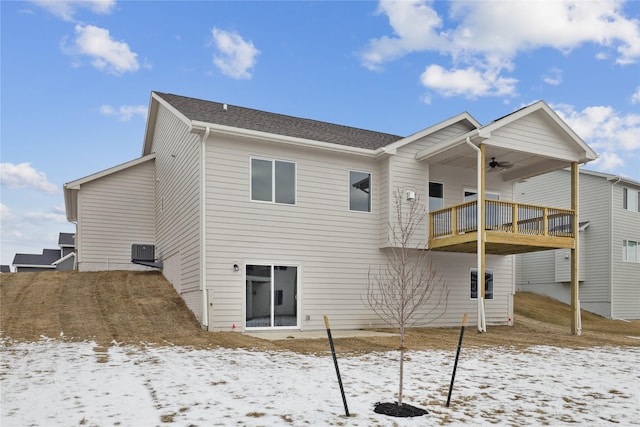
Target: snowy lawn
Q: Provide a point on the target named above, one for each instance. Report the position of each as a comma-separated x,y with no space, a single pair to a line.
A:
51,383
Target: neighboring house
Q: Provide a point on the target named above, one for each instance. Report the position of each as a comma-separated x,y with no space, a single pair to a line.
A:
609,263
5,269
265,221
62,259
67,243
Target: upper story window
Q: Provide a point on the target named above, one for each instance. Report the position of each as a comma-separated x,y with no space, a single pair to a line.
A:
436,196
273,181
359,191
630,251
631,199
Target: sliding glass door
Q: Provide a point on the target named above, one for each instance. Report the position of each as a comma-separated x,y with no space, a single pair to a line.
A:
271,296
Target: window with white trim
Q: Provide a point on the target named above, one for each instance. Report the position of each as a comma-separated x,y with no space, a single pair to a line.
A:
273,181
630,251
359,191
488,283
630,199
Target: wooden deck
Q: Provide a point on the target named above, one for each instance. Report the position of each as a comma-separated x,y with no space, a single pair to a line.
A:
510,228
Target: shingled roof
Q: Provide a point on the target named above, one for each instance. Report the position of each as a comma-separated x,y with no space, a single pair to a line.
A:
47,258
247,118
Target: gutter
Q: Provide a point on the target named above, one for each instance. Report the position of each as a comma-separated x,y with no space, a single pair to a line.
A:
203,229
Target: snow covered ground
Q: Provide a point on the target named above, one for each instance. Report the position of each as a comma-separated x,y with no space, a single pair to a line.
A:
51,383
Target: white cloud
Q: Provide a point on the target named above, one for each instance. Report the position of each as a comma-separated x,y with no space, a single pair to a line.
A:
415,25
66,9
23,175
235,56
107,54
125,112
469,82
613,135
479,35
553,76
5,214
45,217
607,162
635,98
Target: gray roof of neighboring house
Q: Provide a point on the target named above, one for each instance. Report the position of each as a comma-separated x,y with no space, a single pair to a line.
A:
5,269
247,118
48,257
67,239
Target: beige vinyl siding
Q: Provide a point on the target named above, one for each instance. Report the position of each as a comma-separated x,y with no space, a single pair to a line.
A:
625,275
596,254
115,211
178,203
537,130
385,202
333,247
318,233
407,173
607,284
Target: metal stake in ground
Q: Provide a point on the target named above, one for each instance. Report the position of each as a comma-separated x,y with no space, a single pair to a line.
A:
335,362
455,365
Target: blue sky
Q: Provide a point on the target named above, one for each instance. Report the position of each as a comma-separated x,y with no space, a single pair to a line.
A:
77,77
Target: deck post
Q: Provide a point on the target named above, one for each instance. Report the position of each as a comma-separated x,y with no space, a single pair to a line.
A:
576,328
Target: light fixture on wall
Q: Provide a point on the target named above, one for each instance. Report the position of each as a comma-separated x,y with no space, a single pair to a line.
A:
235,267
411,195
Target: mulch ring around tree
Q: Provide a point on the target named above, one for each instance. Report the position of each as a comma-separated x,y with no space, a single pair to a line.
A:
393,410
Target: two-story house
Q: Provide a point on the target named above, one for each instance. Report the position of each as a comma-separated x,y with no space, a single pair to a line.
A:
264,221
609,240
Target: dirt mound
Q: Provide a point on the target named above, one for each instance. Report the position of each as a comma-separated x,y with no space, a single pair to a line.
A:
142,307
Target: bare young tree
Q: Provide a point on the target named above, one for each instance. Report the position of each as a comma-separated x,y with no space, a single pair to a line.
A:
407,288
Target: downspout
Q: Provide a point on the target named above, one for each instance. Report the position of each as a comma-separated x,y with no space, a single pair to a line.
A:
610,266
482,325
203,229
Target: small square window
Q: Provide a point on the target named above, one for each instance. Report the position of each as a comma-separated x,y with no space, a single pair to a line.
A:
488,283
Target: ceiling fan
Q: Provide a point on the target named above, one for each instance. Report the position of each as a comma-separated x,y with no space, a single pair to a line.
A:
494,165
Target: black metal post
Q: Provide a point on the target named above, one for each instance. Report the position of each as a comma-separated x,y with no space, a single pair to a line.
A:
335,362
455,365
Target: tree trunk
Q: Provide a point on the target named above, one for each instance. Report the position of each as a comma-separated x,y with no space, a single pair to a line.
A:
401,365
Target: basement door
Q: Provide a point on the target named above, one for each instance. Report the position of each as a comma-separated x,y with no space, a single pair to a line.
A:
271,296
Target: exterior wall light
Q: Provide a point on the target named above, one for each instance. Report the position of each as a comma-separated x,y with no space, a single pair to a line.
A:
235,267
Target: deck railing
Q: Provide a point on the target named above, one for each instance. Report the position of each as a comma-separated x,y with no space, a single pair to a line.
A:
508,217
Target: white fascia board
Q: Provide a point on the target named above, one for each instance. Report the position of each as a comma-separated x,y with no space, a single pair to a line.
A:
198,126
435,128
445,146
75,185
588,154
